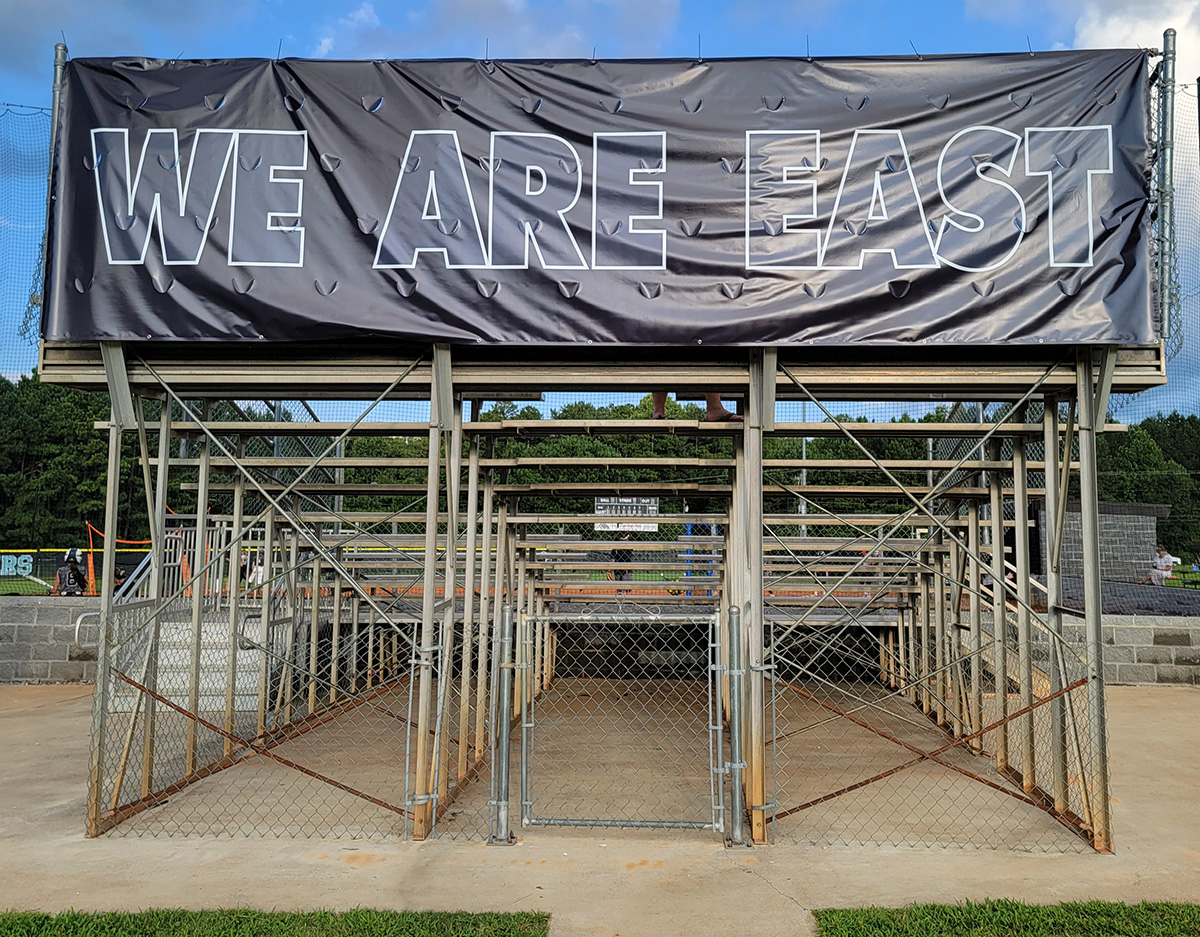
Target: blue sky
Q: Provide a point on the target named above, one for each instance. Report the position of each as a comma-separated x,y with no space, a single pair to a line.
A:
535,28
508,29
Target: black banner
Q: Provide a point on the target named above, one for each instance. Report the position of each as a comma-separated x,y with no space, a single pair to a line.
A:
966,199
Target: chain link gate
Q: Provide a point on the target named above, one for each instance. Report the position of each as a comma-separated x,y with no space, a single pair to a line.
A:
621,720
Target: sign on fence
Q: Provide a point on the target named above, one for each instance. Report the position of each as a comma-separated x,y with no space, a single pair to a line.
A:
627,507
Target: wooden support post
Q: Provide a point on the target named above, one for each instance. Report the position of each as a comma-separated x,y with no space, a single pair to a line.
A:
469,606
314,635
1058,722
486,627
999,606
453,441
941,683
197,582
1024,624
355,611
235,617
423,804
926,604
1092,395
266,610
96,775
335,639
158,577
974,640
371,665
295,606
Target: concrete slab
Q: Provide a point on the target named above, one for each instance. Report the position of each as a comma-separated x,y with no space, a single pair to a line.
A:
617,883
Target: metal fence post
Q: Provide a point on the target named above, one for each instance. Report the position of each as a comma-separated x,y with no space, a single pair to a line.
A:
1167,286
736,708
502,709
1089,416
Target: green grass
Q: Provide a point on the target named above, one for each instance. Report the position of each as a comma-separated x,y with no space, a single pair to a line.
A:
18,585
1014,919
360,923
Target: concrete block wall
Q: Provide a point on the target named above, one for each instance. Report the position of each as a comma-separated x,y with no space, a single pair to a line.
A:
1146,649
37,635
1127,540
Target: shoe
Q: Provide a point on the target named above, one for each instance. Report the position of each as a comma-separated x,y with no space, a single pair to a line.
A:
659,416
725,417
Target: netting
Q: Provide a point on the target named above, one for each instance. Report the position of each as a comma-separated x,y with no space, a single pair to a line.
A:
24,162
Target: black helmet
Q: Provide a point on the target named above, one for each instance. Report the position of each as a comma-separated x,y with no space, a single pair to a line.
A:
74,555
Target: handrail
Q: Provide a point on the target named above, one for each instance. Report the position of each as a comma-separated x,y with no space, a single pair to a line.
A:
78,624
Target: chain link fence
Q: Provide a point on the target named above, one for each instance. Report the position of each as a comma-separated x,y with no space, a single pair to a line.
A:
276,672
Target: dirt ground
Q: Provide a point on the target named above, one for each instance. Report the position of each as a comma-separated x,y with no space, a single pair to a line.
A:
592,882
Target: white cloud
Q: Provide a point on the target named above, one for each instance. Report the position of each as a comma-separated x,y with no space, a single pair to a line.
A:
1122,24
507,29
363,17
116,27
324,47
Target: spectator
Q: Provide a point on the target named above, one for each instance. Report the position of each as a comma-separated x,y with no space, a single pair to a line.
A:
714,410
1160,567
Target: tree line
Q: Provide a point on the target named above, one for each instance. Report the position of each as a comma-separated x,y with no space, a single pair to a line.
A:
53,464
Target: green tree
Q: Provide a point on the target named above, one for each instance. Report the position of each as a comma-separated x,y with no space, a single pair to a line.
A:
1132,467
53,464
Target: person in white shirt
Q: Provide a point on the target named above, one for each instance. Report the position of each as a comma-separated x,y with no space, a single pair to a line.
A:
1160,567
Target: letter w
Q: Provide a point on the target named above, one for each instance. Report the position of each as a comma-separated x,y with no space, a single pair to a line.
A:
131,204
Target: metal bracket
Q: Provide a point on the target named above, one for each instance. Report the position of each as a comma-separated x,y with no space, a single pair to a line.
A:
123,414
441,406
770,377
1108,365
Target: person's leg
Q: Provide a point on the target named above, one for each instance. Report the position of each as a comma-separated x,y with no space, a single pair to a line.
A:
715,411
659,399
